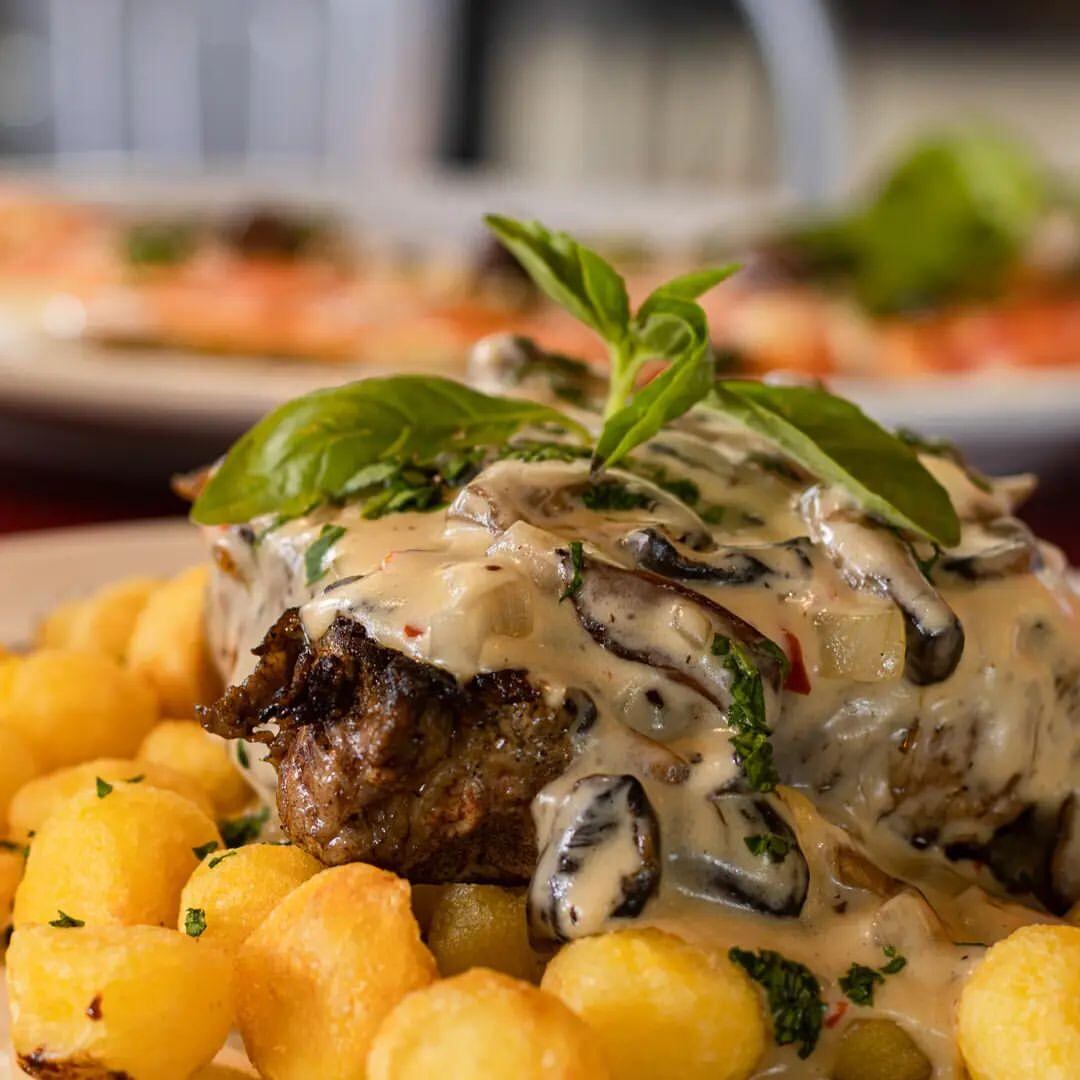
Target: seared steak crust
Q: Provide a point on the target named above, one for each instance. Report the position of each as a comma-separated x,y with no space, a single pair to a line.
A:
387,760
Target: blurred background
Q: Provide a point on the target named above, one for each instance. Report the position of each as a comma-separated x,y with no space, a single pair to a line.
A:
792,133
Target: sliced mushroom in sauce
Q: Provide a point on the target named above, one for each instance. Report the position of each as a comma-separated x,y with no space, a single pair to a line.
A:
602,861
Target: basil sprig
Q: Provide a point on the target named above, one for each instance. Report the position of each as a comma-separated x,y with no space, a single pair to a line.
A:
836,441
668,325
324,445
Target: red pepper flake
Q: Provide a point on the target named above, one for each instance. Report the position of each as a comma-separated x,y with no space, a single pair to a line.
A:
413,631
837,1014
798,681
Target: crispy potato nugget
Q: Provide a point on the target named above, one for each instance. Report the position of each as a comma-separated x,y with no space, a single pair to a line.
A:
482,926
661,1007
18,765
74,706
135,1001
122,858
102,622
168,645
324,968
36,801
237,889
879,1050
12,864
485,1024
183,746
1019,1014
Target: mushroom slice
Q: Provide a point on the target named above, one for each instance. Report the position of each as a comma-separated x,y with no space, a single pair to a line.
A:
602,861
546,491
877,560
750,858
999,549
729,566
633,613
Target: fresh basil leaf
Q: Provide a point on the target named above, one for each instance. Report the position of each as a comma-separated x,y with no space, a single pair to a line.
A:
837,442
315,557
573,276
313,448
696,283
676,389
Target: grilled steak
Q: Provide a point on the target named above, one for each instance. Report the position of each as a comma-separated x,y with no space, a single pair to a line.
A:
391,761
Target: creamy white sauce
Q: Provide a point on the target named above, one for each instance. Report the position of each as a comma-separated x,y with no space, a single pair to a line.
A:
476,587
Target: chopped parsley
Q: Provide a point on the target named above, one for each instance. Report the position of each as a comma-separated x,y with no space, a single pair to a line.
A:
103,788
774,847
159,243
577,562
533,451
746,715
213,863
859,982
65,921
243,829
794,996
194,922
203,850
315,566
614,495
242,754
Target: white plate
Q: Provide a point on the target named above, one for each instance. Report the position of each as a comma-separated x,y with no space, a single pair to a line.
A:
41,569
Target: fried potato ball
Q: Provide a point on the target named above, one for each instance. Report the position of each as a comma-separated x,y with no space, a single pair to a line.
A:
185,747
237,889
18,765
168,645
122,857
36,801
1019,1013
661,1007
324,968
879,1050
482,926
102,622
12,864
137,1001
484,1024
74,706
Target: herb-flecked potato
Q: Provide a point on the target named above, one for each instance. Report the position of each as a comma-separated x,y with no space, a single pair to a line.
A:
184,747
237,889
109,1001
121,857
36,801
323,969
482,926
661,1007
74,706
484,1024
101,622
18,765
1019,1013
168,645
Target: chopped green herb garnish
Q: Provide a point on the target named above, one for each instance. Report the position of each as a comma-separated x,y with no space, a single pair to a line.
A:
794,996
65,921
103,788
194,922
218,859
577,562
613,495
242,830
242,754
746,715
315,566
858,983
896,963
159,243
531,452
203,850
775,848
